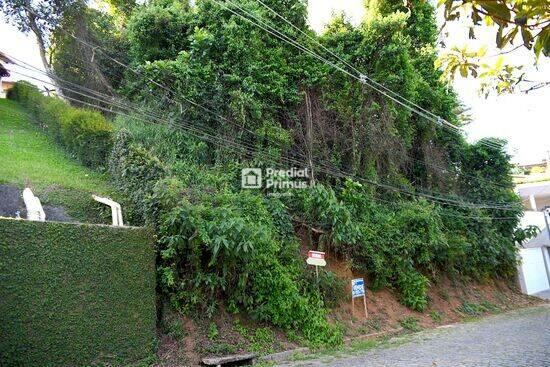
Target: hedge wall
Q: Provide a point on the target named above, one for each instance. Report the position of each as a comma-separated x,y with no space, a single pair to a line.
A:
75,294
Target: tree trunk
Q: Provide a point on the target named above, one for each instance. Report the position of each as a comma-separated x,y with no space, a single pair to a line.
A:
87,53
42,49
309,137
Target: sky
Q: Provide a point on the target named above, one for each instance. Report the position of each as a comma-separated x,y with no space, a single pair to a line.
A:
521,119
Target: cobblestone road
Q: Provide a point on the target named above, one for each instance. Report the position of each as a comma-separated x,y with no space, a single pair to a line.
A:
515,339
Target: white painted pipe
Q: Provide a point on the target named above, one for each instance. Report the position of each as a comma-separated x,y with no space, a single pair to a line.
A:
41,213
34,207
116,209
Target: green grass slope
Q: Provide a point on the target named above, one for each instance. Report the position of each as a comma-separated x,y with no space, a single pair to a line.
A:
29,158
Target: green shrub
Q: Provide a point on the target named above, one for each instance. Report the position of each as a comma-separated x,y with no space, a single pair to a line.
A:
22,91
331,288
219,348
85,134
410,323
371,236
55,115
436,316
213,331
88,136
471,308
175,329
227,248
477,309
75,295
413,288
135,172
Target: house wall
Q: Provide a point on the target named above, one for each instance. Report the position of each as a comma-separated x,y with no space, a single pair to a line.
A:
532,218
533,272
546,254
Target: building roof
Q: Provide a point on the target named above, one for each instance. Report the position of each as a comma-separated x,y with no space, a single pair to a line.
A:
6,85
541,240
5,59
4,72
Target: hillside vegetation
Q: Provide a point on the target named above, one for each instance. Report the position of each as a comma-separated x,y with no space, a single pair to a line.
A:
30,159
399,197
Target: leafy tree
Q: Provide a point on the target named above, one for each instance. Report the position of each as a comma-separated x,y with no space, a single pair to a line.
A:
528,18
123,8
74,61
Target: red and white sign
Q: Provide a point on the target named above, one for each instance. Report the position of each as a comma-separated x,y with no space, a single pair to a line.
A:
316,258
316,254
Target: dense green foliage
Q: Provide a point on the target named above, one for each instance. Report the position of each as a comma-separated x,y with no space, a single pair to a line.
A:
217,246
81,66
265,104
75,294
263,84
85,134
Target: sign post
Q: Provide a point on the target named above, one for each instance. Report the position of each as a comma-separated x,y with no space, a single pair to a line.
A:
316,258
358,290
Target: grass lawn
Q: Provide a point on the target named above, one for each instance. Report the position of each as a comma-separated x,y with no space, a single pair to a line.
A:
29,158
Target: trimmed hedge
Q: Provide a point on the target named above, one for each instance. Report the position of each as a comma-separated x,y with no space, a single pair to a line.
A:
86,134
75,294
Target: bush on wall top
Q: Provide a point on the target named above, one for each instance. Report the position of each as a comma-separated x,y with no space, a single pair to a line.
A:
86,134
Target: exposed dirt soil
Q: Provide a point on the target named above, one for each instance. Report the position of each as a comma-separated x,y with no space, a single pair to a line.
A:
184,341
449,302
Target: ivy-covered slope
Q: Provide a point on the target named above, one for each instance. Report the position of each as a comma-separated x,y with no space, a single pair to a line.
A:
264,104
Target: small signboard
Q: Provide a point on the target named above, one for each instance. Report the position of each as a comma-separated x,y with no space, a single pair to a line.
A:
358,290
357,287
316,258
316,254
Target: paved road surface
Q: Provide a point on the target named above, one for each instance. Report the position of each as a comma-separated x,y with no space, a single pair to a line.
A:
515,339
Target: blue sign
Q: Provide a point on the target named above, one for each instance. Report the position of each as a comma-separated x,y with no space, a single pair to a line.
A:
357,288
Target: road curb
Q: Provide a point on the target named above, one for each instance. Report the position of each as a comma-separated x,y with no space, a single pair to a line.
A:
287,354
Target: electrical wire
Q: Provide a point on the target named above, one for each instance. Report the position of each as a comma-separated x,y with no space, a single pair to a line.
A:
324,169
363,78
278,34
110,97
440,199
216,141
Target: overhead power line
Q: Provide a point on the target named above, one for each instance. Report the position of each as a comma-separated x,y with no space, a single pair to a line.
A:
361,77
224,143
336,172
439,168
253,153
187,100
